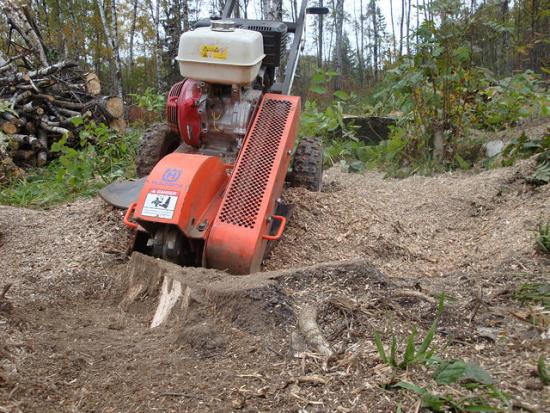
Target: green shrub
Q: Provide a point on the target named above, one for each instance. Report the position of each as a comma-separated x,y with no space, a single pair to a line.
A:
504,102
150,100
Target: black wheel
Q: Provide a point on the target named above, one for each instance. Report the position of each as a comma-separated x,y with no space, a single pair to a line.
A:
307,168
157,142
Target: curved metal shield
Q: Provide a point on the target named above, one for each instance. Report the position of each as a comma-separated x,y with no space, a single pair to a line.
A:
122,194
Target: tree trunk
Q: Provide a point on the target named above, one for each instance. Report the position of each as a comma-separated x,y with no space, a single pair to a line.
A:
19,22
132,32
506,62
401,27
273,9
155,17
185,15
374,12
358,48
393,28
408,28
112,41
362,53
417,23
339,43
320,38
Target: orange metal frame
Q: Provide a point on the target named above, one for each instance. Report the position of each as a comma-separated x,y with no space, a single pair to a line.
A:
241,228
234,215
195,185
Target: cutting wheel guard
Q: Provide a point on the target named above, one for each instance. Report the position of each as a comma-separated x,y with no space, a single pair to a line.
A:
241,229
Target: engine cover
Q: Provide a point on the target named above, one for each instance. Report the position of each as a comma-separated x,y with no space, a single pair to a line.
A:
182,113
212,118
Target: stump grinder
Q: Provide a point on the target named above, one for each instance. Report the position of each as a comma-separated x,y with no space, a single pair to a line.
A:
212,176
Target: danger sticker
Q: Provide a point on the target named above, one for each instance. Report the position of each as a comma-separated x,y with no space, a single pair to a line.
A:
211,51
160,203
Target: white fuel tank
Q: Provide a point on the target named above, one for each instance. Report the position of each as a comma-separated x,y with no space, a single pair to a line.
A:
221,54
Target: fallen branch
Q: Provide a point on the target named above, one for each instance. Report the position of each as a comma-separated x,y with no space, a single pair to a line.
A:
5,290
309,379
414,294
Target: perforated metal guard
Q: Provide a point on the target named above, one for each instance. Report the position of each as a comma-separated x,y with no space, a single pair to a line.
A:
244,196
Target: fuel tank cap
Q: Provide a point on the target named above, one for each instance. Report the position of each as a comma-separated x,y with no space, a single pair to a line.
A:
223,25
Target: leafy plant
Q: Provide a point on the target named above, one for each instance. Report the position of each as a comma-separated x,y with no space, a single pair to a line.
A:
543,373
538,293
541,176
103,156
523,147
484,402
320,80
150,100
412,355
453,371
543,237
511,99
6,107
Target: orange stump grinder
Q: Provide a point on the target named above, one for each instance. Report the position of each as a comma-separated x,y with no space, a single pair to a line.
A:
211,178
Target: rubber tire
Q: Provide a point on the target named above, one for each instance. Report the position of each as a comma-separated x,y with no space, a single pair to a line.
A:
157,142
307,167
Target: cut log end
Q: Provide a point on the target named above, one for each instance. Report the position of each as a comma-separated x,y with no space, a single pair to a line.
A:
118,124
93,85
114,106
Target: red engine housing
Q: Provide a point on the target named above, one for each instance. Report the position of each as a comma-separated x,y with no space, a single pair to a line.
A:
182,113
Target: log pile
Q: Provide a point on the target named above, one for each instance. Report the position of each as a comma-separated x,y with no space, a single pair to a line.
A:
38,107
40,99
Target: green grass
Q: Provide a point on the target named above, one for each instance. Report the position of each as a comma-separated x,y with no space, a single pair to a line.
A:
40,189
412,355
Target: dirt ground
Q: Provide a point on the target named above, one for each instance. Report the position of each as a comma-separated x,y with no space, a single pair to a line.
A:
66,345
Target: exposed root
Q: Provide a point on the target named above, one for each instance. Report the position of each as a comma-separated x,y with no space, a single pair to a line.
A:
171,291
307,323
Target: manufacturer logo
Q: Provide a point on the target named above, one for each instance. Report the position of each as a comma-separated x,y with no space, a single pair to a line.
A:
171,175
212,51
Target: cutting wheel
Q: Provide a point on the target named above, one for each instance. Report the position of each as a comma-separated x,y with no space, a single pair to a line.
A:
171,245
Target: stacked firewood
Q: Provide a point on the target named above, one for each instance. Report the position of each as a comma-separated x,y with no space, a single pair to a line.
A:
38,107
42,101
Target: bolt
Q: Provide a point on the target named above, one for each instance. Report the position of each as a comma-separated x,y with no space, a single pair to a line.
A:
202,226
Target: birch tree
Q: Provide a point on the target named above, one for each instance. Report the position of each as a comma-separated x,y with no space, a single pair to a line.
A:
133,32
110,32
155,17
393,28
339,27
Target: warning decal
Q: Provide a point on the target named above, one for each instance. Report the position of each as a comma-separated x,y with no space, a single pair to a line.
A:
160,203
213,51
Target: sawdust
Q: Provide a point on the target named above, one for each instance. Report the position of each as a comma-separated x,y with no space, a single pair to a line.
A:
65,344
418,226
